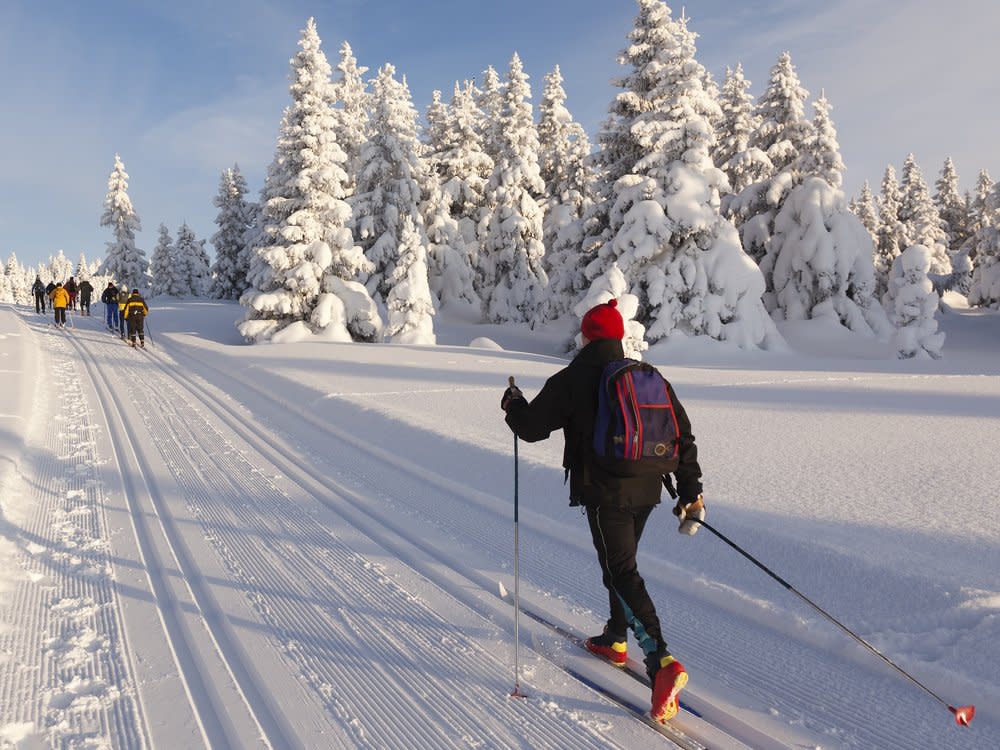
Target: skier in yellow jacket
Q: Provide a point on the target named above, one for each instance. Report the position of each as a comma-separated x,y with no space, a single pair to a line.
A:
60,301
136,311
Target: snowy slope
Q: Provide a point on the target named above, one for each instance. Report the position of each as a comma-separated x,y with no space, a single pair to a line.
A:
209,544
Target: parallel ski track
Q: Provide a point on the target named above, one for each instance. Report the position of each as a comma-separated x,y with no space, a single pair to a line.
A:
796,696
69,642
359,512
210,711
247,519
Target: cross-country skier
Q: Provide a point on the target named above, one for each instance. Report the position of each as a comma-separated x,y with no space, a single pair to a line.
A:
617,507
72,289
38,290
136,311
86,290
122,301
110,299
60,300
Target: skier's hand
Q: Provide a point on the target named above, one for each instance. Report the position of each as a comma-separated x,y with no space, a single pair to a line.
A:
513,393
690,513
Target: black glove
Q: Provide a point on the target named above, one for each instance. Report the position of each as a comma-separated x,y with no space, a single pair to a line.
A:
511,394
690,513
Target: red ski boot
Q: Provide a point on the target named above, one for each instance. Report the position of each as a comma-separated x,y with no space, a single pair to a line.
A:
610,647
668,681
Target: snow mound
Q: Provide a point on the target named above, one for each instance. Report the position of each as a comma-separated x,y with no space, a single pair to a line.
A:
484,342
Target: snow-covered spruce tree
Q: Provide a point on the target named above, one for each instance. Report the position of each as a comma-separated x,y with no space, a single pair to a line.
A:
490,102
921,221
980,212
951,207
449,257
563,154
984,289
124,262
864,208
912,302
389,181
233,220
682,259
890,239
781,134
511,259
60,267
820,255
612,285
192,264
619,148
162,266
350,93
743,164
17,281
309,260
409,304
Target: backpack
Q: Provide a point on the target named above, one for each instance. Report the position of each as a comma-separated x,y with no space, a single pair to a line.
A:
636,431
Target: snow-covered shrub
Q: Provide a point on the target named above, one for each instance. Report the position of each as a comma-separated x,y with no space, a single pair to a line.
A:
912,302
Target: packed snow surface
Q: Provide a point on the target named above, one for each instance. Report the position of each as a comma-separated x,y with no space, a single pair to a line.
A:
311,544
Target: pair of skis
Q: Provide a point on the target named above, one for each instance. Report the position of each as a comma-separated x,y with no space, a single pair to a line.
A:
640,712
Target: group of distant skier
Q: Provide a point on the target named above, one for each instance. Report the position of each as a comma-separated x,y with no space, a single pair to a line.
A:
125,312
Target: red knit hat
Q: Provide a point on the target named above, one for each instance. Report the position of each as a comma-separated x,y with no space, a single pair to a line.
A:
603,322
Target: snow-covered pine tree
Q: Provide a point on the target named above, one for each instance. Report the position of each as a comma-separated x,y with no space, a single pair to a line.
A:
951,207
409,304
619,149
921,221
233,220
389,182
60,267
350,94
18,281
781,134
912,302
490,102
743,164
979,211
511,259
192,264
449,261
310,257
820,255
563,163
889,241
864,208
124,262
82,267
612,285
985,286
166,276
682,259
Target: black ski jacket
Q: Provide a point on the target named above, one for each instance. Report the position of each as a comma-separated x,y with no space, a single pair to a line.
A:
110,296
568,400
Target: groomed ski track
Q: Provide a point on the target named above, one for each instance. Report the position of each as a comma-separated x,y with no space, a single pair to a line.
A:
287,622
270,597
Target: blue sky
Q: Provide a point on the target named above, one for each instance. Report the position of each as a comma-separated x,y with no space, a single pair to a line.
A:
184,89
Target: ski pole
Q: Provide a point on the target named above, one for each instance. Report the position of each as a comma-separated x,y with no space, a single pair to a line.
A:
517,608
963,714
147,332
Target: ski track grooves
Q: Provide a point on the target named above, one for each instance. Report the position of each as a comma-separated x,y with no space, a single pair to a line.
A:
217,729
250,522
71,679
784,689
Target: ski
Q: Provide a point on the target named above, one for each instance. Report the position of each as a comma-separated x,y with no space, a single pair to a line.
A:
672,733
675,735
577,640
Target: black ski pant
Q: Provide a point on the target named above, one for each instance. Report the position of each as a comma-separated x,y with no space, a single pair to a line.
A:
39,302
616,533
60,315
135,326
85,303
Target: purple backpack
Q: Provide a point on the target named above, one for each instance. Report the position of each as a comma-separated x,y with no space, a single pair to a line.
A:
636,432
